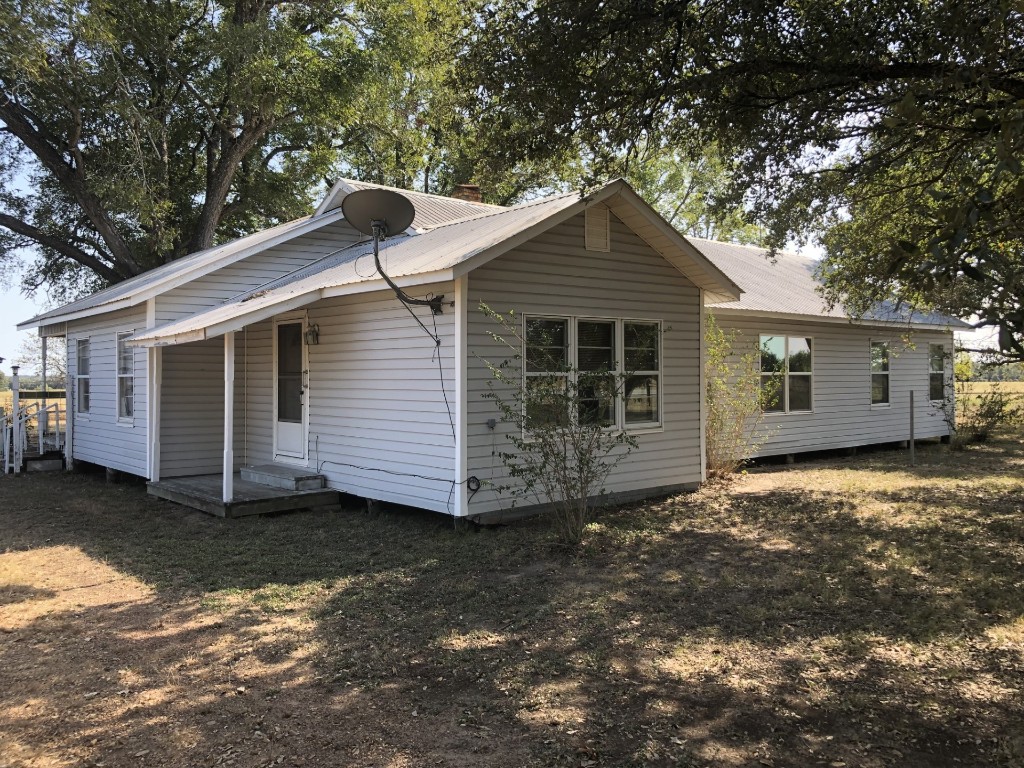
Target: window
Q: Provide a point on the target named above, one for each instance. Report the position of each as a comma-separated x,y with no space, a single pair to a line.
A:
125,378
936,372
600,351
596,364
547,364
642,363
82,375
879,373
787,373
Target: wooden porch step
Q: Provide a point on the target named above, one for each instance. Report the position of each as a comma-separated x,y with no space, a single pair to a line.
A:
203,492
283,476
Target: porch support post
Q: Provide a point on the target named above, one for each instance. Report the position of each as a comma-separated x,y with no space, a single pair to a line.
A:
155,367
229,416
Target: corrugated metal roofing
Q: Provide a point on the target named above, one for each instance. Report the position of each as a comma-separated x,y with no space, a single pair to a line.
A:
435,250
789,285
193,263
431,210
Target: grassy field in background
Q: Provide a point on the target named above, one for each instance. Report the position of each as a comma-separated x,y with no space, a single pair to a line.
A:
982,387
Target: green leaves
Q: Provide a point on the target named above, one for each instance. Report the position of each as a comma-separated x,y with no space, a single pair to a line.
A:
894,131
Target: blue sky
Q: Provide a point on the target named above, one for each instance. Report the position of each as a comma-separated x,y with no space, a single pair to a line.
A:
14,308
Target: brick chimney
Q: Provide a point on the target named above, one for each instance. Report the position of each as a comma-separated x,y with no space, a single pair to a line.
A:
468,192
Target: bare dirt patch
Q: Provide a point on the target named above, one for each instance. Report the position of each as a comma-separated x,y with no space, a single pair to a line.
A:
853,612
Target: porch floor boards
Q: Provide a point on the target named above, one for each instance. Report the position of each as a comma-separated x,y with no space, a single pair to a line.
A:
203,492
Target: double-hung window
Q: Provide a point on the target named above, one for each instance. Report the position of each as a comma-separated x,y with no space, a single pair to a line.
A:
615,367
125,378
787,373
547,369
879,373
642,366
595,355
936,372
82,375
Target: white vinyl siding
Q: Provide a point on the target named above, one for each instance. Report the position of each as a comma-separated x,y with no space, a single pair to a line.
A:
554,275
192,408
843,416
252,272
100,437
379,424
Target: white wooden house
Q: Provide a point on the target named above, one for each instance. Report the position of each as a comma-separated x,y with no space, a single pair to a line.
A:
287,349
843,383
284,355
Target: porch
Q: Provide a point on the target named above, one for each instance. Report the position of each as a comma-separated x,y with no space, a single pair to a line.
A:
206,493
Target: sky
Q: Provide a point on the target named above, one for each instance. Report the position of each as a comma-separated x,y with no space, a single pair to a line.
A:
14,308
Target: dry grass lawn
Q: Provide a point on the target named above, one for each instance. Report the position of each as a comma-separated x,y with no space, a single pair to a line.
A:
849,612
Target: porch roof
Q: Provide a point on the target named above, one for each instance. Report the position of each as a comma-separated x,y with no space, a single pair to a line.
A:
440,253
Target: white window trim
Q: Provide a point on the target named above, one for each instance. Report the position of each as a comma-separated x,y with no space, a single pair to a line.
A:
572,322
78,377
126,421
930,371
872,373
786,374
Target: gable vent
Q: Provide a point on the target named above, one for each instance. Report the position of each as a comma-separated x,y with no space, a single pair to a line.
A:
596,229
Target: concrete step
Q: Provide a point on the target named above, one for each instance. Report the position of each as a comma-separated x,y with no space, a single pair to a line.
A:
283,476
44,465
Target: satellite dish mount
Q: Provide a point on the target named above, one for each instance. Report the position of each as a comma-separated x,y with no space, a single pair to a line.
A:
381,213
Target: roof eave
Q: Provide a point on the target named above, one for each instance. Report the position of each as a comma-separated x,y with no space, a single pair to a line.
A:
860,322
309,225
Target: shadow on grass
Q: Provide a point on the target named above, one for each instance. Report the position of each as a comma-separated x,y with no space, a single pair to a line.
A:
785,626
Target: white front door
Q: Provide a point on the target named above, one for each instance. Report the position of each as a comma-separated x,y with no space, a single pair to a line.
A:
291,406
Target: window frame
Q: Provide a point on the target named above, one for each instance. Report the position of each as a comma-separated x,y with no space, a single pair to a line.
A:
119,377
932,372
887,403
786,373
80,377
619,323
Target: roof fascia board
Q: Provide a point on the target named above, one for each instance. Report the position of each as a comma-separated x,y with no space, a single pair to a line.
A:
732,312
154,338
731,289
404,281
341,186
111,306
311,225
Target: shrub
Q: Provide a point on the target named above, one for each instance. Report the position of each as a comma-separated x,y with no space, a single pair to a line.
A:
557,458
734,401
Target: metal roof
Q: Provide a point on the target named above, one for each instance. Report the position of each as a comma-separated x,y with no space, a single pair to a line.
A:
440,253
789,285
431,210
137,289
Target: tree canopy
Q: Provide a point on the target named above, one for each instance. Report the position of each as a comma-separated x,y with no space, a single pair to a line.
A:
895,128
136,131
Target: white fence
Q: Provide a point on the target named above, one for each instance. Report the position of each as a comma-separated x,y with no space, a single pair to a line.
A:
19,437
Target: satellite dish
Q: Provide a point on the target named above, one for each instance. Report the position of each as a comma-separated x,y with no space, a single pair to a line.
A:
379,212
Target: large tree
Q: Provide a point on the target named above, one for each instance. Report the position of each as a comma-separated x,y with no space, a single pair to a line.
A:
133,132
895,128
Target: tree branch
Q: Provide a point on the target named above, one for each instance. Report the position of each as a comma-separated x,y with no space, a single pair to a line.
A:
120,254
64,248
